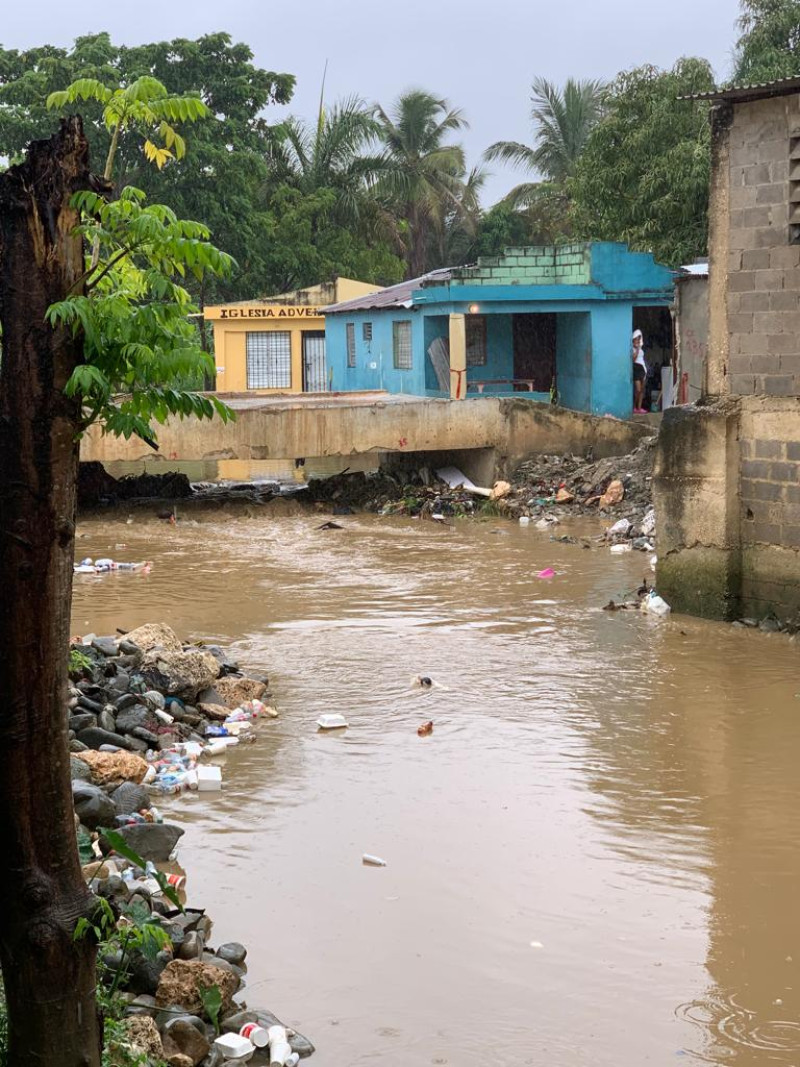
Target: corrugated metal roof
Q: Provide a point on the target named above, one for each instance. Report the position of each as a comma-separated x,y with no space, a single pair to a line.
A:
393,296
735,93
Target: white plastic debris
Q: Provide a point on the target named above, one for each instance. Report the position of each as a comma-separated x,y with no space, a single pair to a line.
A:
653,604
619,550
372,861
209,779
649,523
235,1047
334,721
524,520
619,529
279,1053
653,562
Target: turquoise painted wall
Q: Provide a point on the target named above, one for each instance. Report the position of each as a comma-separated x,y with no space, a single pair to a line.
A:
612,367
574,360
618,270
379,352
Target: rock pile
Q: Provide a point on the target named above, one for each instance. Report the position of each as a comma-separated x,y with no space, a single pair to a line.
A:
141,703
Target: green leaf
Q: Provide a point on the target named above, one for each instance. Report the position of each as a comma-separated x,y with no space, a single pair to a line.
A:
212,1003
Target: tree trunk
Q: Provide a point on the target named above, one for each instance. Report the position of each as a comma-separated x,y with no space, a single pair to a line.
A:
49,978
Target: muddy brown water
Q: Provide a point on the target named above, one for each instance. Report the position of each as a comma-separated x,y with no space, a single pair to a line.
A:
593,860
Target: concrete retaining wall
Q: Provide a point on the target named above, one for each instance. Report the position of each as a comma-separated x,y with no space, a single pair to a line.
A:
728,500
336,426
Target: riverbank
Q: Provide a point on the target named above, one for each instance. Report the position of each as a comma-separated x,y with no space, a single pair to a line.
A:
150,717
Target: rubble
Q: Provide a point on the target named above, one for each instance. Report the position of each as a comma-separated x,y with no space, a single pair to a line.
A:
171,1003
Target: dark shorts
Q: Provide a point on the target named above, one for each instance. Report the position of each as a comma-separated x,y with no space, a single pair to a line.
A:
639,373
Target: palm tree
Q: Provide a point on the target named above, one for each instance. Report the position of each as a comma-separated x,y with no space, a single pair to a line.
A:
329,155
422,175
562,122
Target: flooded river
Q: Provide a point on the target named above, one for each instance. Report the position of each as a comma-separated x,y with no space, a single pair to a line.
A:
593,861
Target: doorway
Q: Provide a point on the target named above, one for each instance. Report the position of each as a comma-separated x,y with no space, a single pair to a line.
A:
534,352
315,375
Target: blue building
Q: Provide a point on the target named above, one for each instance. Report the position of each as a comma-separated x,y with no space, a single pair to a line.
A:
534,321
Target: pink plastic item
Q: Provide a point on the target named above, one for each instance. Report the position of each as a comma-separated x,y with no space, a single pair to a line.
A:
548,572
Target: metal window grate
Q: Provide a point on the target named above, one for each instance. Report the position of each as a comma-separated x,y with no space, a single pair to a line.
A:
476,340
269,360
351,344
401,345
366,332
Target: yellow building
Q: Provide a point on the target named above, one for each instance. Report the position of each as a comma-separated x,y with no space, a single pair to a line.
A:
277,345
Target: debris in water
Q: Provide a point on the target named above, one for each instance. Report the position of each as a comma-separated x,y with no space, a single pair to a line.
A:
372,861
548,572
330,526
334,721
426,729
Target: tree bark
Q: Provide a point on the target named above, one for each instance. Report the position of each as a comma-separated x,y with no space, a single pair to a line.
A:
49,978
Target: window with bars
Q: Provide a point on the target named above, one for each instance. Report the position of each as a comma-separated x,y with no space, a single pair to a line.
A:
401,344
351,344
366,332
269,360
476,340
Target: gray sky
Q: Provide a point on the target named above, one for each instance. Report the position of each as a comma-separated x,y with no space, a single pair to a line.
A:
479,54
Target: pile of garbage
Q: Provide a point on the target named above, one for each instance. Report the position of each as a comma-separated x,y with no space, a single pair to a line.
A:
544,488
165,711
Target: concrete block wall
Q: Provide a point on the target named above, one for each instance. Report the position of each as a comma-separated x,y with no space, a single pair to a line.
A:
763,265
727,492
535,265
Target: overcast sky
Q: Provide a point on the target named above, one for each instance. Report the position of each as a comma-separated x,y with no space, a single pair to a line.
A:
479,54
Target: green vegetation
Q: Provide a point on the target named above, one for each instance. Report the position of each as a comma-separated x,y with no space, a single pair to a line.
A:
381,192
643,175
769,45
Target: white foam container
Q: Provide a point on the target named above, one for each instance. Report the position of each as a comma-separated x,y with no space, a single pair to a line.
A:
334,721
209,779
235,1047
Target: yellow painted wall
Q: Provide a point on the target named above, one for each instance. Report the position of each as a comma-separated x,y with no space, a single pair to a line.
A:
294,312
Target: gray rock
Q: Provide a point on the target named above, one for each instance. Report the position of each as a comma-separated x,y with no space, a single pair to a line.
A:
130,718
215,1058
145,973
187,1039
145,1004
135,744
92,805
192,946
153,841
301,1045
82,721
128,648
79,771
77,746
107,721
109,748
232,1024
95,736
166,1014
106,645
89,705
127,700
148,736
210,696
232,952
129,798
193,1020
120,683
154,699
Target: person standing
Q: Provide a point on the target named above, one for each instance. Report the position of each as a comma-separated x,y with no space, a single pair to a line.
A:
639,372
